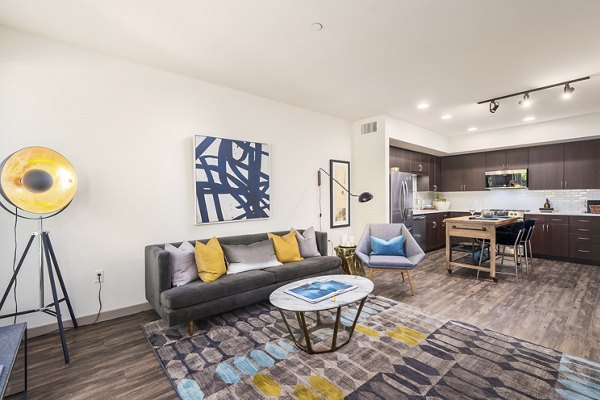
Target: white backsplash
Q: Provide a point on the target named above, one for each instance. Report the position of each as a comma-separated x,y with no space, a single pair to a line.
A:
518,199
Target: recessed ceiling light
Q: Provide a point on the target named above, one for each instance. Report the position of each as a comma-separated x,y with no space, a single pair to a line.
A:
529,119
472,129
317,26
423,106
446,116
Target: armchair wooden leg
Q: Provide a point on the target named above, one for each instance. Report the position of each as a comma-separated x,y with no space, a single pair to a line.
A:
402,276
371,273
410,281
191,327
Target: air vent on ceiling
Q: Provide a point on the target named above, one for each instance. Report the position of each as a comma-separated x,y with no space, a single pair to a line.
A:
368,127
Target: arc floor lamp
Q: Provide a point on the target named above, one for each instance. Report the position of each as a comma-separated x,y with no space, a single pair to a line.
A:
42,183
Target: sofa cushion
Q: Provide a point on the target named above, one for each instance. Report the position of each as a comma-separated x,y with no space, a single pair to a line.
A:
286,247
298,270
390,262
183,264
243,258
199,292
307,242
210,260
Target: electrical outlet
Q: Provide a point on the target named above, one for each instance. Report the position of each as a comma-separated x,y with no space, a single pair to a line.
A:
99,276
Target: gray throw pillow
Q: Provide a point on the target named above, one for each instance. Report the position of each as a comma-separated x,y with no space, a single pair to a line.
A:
307,242
242,258
183,263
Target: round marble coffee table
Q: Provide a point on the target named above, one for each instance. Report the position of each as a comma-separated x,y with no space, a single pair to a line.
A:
287,302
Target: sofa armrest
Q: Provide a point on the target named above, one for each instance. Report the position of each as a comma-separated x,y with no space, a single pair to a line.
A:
322,242
158,274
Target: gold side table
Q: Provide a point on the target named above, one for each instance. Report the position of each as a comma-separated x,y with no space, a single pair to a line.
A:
350,263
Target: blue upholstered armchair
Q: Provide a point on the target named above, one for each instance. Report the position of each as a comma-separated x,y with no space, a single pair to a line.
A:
414,253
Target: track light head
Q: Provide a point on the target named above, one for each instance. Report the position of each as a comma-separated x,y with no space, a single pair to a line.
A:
494,106
568,91
525,102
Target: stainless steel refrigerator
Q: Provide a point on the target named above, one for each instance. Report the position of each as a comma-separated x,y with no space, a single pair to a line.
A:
401,198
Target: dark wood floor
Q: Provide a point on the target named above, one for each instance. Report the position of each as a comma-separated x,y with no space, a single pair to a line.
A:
557,306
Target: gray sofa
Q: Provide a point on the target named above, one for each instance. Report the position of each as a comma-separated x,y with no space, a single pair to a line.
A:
198,300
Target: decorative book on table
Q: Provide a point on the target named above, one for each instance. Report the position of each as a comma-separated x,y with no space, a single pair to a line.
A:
314,292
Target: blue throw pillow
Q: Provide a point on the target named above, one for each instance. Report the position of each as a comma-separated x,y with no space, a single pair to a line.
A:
393,247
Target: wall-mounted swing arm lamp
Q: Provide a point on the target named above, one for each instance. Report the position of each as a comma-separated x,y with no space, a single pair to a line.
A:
362,198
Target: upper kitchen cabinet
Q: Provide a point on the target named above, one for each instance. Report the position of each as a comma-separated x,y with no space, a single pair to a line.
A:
464,173
507,159
419,163
400,158
582,165
474,171
546,167
452,180
435,174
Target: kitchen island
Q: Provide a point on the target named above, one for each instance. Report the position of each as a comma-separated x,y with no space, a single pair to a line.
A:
476,228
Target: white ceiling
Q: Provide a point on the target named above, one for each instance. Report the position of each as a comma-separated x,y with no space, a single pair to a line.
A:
372,57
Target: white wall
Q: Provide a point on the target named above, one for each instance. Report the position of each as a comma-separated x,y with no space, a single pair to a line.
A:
128,130
370,163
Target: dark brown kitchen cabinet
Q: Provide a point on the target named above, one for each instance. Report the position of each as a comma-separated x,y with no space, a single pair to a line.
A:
507,159
435,174
474,172
435,234
582,165
550,236
546,167
452,180
419,163
400,158
464,173
584,234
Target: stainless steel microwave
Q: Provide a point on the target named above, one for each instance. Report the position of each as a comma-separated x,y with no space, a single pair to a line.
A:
509,179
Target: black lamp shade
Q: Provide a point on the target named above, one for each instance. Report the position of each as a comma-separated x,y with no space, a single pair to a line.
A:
364,197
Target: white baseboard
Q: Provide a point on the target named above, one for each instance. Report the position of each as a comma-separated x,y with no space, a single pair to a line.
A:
88,319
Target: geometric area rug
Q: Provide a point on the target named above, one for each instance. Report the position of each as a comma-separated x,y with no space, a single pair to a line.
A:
396,352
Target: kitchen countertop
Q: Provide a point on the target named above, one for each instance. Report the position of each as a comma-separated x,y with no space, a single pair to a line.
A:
533,212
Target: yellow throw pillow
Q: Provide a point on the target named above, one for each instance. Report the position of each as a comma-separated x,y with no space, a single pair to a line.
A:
210,260
286,247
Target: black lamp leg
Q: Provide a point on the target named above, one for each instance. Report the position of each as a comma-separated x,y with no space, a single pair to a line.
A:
14,276
60,279
55,298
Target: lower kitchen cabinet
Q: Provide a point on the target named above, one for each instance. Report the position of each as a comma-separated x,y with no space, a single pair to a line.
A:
584,234
550,236
435,235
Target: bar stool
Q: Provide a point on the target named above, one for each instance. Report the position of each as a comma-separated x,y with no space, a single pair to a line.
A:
526,244
514,239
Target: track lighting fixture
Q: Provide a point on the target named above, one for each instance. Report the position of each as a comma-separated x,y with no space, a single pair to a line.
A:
525,102
567,93
494,106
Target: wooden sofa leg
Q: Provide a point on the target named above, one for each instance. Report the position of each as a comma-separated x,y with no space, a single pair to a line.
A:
371,273
191,327
402,276
410,281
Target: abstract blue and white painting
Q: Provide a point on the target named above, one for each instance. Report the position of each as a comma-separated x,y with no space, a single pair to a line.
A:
232,180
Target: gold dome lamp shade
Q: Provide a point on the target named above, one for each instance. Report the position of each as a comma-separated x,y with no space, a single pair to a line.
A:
38,180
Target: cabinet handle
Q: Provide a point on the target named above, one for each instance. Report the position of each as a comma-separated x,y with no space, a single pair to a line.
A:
583,230
583,251
580,238
435,188
561,184
557,219
434,224
583,220
565,184
420,167
547,228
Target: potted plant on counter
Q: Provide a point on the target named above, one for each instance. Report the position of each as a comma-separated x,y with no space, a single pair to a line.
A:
440,203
